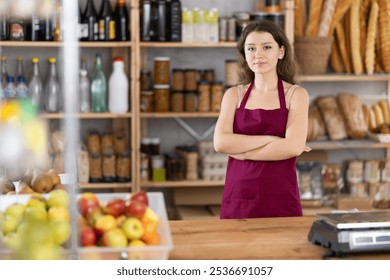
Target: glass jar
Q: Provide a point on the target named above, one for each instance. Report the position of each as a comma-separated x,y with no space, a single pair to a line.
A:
204,96
190,101
94,142
216,96
190,79
231,72
178,79
123,167
161,70
161,98
177,101
108,168
146,101
95,168
120,145
107,144
155,146
146,80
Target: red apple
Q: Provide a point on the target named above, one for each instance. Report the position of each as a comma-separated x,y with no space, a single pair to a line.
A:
115,207
85,201
141,197
133,228
87,237
93,214
135,208
114,238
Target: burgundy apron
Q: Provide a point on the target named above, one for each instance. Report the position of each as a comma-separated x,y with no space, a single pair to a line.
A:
256,189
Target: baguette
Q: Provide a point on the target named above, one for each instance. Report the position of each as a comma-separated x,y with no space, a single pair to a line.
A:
385,111
384,26
364,12
342,47
370,40
326,17
346,30
379,120
366,112
315,7
299,17
355,38
335,59
342,7
372,124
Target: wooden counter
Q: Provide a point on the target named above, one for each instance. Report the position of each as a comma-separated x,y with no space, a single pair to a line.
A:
267,238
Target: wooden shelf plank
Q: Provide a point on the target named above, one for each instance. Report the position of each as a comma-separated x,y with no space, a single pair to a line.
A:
105,185
60,44
346,144
187,45
180,115
344,78
87,116
186,183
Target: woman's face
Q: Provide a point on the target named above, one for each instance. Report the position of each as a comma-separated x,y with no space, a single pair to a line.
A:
262,52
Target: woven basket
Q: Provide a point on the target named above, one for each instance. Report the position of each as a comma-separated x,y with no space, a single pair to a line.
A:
313,54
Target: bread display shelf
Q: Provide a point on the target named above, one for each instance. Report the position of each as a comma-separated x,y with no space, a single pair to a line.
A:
180,115
60,44
87,116
344,78
185,183
347,144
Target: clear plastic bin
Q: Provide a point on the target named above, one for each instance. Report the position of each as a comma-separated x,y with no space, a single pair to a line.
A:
160,252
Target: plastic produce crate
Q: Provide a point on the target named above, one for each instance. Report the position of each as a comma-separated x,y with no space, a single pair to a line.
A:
156,203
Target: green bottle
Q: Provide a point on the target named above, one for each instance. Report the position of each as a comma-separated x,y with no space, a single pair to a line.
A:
99,88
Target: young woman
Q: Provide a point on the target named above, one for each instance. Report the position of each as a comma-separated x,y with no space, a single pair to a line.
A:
262,126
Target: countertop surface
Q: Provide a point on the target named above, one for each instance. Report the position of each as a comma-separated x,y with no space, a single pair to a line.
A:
265,238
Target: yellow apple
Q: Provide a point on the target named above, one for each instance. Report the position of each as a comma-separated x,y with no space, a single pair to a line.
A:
9,224
60,231
33,214
58,213
133,228
137,243
16,210
114,238
58,198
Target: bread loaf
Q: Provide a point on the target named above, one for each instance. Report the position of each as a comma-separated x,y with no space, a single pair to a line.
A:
372,127
355,38
385,111
299,17
364,12
326,17
379,120
342,47
366,113
352,110
341,8
335,59
370,39
318,117
315,7
333,119
384,27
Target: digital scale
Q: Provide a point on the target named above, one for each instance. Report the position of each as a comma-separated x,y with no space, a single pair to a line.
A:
352,232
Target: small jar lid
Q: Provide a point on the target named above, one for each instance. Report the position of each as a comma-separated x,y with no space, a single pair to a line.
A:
155,141
203,82
161,86
147,92
162,58
146,141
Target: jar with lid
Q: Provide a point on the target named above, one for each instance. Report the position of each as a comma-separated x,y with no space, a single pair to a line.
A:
242,20
146,80
94,142
108,168
123,167
216,96
158,170
155,146
146,101
272,6
191,164
209,75
144,169
190,99
190,79
107,143
177,101
178,79
95,168
120,145
203,96
146,145
231,72
161,70
161,98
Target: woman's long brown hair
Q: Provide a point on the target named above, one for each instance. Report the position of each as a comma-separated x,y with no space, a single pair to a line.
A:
287,67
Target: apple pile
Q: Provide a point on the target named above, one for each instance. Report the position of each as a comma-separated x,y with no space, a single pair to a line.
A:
118,222
38,228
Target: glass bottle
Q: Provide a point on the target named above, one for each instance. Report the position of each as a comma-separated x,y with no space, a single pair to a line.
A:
4,72
52,89
118,93
82,27
21,88
90,18
9,89
46,23
106,22
19,68
57,32
84,91
35,86
3,21
99,88
121,17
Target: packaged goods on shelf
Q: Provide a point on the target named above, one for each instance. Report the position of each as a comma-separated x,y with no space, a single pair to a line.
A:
310,180
212,165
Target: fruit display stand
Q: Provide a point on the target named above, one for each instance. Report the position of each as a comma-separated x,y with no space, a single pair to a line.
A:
155,252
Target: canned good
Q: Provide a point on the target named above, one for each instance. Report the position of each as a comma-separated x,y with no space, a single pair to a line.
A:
355,172
161,70
372,171
161,98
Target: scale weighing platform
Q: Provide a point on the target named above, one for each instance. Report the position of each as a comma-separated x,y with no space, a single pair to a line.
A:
352,232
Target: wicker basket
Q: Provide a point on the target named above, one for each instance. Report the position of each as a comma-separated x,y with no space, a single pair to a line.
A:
313,54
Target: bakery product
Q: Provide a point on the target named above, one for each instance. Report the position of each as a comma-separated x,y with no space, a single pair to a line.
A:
315,7
299,17
366,113
378,115
369,58
341,8
355,38
341,43
385,111
335,59
326,17
384,27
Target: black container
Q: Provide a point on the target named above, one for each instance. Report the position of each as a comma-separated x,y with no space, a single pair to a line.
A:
161,20
146,21
3,27
174,20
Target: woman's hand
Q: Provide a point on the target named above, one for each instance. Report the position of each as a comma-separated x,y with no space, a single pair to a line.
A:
307,149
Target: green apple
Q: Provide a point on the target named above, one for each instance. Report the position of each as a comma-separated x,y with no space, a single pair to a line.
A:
35,214
58,213
60,231
9,224
133,228
58,198
114,238
16,210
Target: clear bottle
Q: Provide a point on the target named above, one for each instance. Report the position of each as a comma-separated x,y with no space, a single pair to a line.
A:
1,91
19,68
3,20
46,20
99,88
4,72
106,22
121,17
90,18
35,86
21,88
84,85
52,89
118,92
9,90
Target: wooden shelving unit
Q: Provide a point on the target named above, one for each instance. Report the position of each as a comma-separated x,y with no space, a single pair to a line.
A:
85,186
86,116
39,44
344,78
186,183
346,144
180,115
